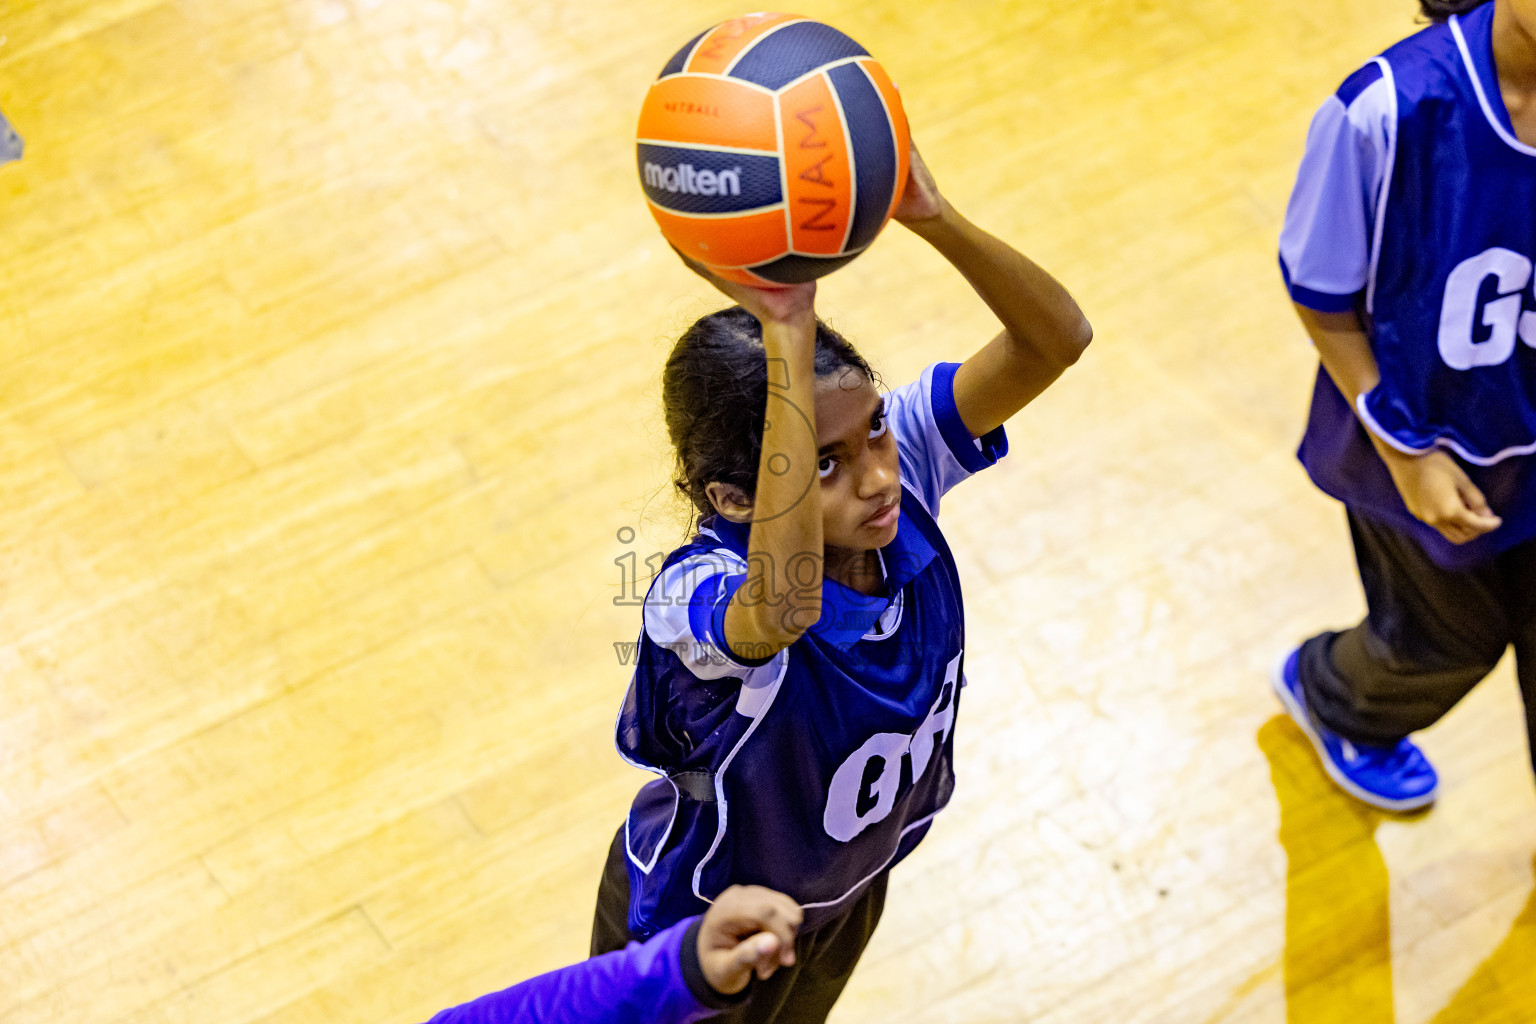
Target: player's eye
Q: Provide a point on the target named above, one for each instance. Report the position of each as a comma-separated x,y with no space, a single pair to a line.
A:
826,467
877,425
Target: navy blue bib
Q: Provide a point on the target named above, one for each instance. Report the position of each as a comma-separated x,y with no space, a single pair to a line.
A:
1453,311
824,772
1450,304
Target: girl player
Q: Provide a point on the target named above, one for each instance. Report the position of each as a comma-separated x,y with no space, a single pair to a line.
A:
1408,249
800,661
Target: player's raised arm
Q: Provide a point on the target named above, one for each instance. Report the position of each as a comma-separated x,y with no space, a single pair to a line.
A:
782,597
1044,331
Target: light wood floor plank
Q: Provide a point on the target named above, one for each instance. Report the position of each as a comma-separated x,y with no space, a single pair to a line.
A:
331,334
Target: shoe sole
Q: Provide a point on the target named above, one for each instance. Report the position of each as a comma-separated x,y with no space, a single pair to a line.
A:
1298,715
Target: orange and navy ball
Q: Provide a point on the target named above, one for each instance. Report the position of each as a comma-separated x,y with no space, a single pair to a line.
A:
773,149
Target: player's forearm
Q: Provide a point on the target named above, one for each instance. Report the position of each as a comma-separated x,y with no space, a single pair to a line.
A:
1033,307
1345,351
782,598
1434,489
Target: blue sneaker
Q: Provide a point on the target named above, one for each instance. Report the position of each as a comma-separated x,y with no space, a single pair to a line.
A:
1397,778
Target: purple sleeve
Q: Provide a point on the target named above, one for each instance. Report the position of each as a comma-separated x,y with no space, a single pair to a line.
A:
640,982
1328,243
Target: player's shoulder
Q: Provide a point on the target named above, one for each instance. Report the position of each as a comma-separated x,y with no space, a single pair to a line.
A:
1410,79
913,410
719,548
714,549
1369,78
1425,66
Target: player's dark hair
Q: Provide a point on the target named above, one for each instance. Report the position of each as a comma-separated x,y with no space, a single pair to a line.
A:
1439,10
714,391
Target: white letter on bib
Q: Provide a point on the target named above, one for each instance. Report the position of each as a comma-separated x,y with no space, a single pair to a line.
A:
1458,313
941,719
864,787
881,754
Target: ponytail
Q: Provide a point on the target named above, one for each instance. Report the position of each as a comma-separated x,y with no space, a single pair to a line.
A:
714,391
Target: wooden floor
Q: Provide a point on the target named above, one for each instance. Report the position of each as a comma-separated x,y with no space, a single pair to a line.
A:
330,333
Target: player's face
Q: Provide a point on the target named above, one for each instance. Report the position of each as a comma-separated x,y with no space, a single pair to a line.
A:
860,483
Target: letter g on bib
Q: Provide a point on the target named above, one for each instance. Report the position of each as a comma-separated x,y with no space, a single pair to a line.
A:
863,790
1459,312
865,786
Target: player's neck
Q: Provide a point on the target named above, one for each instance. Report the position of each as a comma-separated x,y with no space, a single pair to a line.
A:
1514,53
855,569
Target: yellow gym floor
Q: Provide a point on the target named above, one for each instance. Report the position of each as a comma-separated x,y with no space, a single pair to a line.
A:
330,334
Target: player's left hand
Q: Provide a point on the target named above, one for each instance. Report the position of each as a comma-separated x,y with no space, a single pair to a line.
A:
791,303
748,929
921,200
1437,491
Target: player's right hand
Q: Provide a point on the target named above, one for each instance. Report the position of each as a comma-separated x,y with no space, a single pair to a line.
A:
921,200
790,304
748,929
1438,491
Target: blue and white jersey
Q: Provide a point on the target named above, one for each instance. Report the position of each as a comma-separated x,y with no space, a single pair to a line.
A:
816,770
1416,206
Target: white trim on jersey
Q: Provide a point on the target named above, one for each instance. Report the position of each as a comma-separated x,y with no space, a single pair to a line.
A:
1451,444
645,869
1386,183
1487,460
763,704
629,849
889,621
1371,424
724,810
1482,95
902,835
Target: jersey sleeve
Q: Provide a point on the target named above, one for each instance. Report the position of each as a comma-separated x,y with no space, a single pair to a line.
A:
640,982
935,448
1330,232
685,613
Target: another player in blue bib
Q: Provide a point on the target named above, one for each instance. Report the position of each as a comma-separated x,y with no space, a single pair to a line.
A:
800,665
1408,248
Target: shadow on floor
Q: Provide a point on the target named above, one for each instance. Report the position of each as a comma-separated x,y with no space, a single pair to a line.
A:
1338,927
